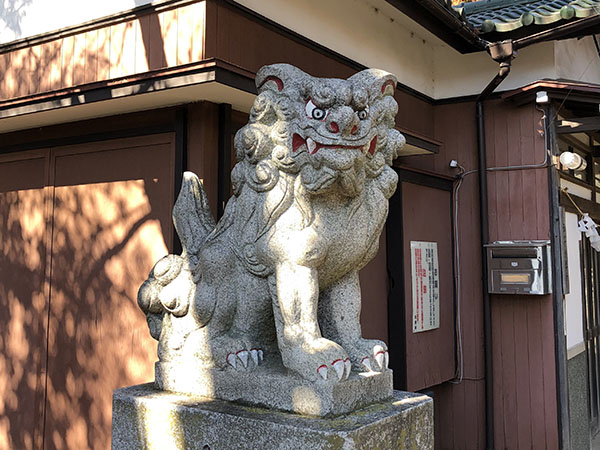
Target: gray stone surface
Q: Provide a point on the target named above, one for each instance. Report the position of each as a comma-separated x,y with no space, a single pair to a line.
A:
274,388
579,416
147,418
277,277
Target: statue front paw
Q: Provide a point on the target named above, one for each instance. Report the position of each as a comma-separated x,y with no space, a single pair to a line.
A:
317,360
369,355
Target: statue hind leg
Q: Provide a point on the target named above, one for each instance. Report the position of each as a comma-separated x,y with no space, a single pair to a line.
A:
234,336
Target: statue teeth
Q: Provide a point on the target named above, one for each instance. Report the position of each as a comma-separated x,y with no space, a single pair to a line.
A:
260,354
312,145
386,359
348,365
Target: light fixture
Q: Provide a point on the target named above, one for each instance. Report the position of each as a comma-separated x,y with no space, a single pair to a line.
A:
572,161
541,97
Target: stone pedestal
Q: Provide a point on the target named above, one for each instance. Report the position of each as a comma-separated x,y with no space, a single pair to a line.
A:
272,386
147,418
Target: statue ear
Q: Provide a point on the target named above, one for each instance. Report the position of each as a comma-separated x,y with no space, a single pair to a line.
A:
277,77
378,82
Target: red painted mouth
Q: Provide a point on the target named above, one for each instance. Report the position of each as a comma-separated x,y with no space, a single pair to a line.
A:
313,146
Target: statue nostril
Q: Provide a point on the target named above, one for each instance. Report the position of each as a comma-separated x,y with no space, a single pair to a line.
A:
354,129
333,126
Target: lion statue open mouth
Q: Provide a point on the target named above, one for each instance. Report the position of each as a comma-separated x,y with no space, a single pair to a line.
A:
277,277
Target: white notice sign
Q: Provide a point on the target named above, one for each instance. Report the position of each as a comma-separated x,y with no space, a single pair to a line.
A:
425,286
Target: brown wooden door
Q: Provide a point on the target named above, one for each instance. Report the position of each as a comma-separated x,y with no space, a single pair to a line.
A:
81,227
24,233
111,209
420,211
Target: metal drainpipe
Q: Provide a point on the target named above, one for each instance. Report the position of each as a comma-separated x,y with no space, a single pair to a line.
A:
503,53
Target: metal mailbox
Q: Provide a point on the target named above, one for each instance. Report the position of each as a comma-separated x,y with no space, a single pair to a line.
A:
519,267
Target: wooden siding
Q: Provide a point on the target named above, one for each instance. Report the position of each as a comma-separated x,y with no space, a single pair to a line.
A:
460,408
525,408
152,41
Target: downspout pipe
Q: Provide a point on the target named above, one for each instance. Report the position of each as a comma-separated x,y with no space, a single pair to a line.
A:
503,53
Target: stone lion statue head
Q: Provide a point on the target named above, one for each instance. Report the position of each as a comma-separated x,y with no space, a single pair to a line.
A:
334,134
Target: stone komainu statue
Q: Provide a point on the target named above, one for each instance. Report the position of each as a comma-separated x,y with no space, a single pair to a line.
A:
276,279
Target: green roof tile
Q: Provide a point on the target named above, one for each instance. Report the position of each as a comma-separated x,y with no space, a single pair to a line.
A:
508,15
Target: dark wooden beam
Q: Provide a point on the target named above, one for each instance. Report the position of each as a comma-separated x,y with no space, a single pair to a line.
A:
592,208
224,157
578,125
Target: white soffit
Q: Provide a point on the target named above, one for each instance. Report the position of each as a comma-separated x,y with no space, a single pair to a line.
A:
212,91
575,189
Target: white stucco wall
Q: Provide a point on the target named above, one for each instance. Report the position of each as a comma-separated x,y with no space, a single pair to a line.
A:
368,31
393,42
456,75
25,18
573,300
577,59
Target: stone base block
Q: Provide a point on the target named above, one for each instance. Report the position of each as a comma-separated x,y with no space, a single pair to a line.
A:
273,387
147,418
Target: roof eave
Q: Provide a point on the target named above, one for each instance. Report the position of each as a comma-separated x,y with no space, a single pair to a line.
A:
443,22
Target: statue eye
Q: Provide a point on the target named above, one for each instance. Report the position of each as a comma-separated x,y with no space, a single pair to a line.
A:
314,111
362,114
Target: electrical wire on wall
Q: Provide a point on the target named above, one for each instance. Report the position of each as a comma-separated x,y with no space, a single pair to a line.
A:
459,373
460,176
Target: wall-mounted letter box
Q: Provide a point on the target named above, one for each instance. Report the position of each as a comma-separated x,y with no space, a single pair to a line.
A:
519,267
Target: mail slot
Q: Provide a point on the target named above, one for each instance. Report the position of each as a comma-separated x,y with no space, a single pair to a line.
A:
519,267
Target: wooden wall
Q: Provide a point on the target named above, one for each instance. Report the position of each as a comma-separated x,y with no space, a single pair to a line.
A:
460,408
525,410
82,225
525,407
150,41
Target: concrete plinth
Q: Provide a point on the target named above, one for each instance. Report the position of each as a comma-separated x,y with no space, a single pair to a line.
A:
271,386
147,418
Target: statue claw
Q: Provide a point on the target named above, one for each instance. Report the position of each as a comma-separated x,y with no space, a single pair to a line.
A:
348,367
366,362
254,356
379,357
243,356
339,366
322,370
231,360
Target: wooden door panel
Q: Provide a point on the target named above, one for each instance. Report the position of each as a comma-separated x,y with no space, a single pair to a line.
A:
429,354
112,207
420,211
24,229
